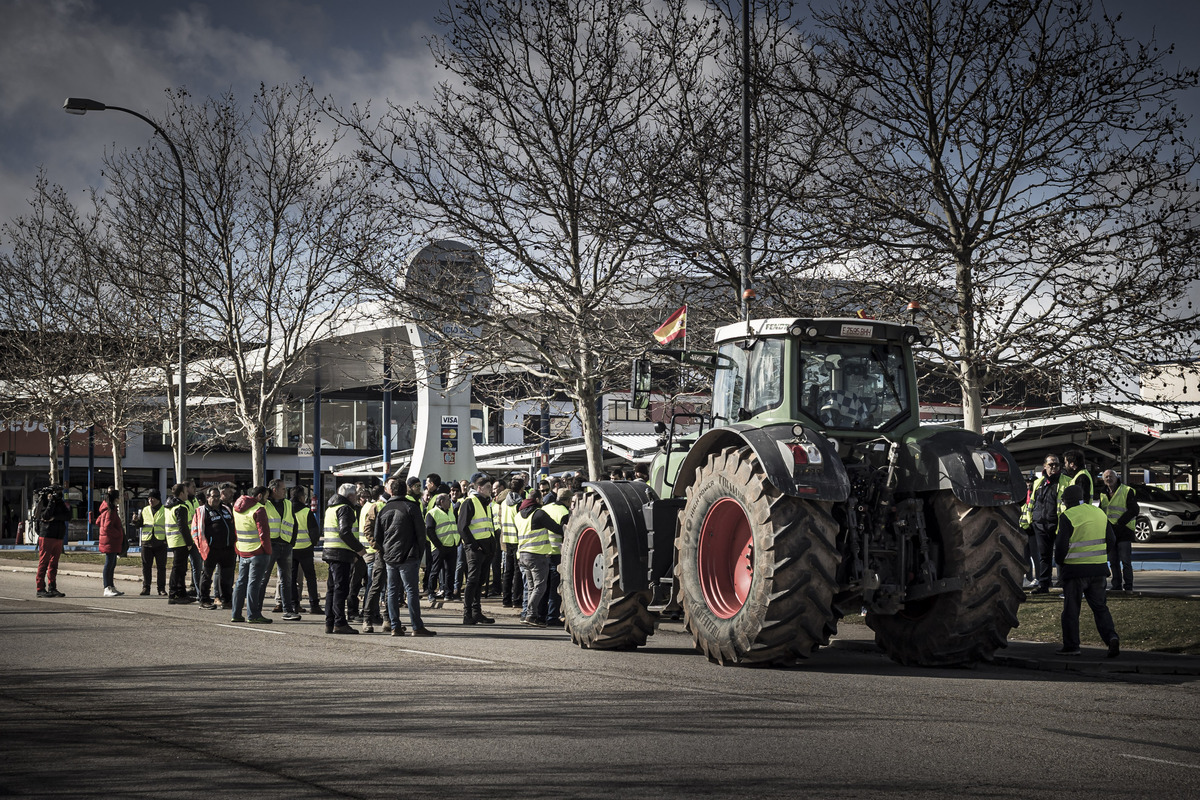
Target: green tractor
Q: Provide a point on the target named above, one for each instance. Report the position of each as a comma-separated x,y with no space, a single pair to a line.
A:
814,492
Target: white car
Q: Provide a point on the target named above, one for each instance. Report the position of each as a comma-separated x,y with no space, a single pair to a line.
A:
1162,513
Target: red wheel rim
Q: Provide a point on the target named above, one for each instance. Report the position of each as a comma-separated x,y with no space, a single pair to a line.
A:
724,557
587,571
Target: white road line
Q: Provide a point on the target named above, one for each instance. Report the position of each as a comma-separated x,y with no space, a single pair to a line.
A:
16,599
1162,761
250,628
113,610
444,655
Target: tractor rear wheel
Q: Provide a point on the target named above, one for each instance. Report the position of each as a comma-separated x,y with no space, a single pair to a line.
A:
596,611
756,568
983,547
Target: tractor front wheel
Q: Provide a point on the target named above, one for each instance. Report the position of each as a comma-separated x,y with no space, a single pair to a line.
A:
984,548
596,611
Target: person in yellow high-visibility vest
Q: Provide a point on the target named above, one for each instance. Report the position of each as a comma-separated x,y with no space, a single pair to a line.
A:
534,529
441,529
376,576
154,541
253,546
1119,502
341,549
307,536
282,521
1081,550
1039,519
557,504
178,520
479,543
511,575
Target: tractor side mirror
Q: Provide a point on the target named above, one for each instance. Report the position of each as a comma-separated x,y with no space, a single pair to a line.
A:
641,383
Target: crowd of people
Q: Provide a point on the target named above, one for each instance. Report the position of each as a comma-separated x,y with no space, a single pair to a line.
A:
387,547
1086,542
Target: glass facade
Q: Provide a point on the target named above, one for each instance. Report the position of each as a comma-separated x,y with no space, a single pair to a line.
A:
352,424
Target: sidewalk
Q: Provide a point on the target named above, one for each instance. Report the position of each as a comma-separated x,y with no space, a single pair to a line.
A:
1018,654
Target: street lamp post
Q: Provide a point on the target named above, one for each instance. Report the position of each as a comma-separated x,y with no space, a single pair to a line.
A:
81,105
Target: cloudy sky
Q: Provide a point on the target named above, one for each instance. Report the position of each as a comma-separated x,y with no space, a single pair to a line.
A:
126,52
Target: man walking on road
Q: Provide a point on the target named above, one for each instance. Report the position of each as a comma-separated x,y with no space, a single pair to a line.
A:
1082,553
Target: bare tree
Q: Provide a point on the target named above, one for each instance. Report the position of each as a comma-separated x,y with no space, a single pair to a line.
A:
43,313
531,152
280,221
700,219
1021,169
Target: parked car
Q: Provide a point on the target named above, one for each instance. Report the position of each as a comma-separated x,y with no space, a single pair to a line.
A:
1164,513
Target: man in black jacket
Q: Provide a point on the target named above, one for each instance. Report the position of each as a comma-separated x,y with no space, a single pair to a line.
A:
214,537
400,536
341,549
52,515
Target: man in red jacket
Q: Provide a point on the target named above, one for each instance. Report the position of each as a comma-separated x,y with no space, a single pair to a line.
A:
253,547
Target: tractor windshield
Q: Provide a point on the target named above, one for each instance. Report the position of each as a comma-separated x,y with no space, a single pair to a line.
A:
853,386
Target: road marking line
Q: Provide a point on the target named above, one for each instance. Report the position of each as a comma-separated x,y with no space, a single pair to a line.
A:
1162,761
246,628
444,655
16,599
113,610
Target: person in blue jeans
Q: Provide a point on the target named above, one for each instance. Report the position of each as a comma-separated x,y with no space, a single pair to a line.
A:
400,536
253,547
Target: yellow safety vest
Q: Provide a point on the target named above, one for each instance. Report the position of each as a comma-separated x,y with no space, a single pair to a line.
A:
508,522
247,531
557,512
1089,525
1027,509
303,541
333,533
1091,486
154,524
531,539
362,523
175,537
1117,504
481,522
446,528
283,526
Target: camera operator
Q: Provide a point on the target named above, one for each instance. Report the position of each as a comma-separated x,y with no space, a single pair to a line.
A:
51,515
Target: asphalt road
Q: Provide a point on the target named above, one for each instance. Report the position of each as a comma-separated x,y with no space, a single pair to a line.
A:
129,697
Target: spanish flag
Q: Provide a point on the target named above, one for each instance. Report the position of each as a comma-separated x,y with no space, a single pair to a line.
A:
673,328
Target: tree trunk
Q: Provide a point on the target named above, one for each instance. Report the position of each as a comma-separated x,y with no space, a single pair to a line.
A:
589,419
117,440
258,454
972,397
52,434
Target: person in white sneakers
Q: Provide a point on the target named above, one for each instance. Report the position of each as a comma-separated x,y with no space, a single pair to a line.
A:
112,539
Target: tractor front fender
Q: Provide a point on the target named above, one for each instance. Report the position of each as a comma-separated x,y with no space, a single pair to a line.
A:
624,501
952,458
824,481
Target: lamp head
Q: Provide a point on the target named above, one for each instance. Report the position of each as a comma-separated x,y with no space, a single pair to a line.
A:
82,105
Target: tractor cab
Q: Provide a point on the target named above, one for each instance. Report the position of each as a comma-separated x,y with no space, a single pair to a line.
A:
834,374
